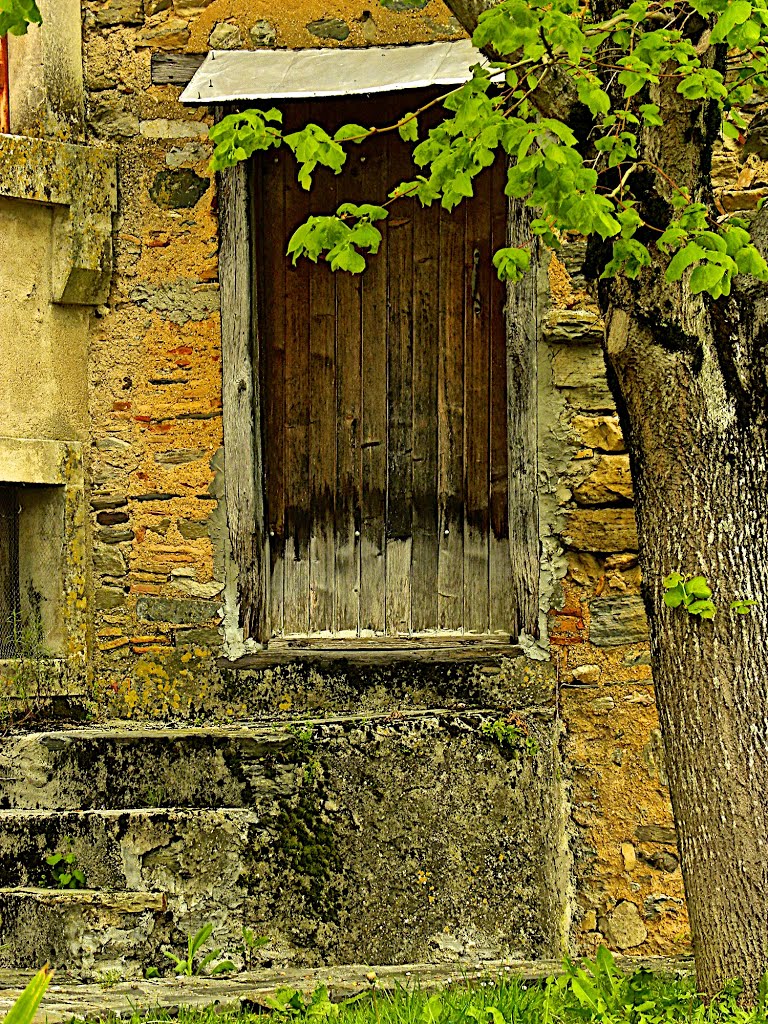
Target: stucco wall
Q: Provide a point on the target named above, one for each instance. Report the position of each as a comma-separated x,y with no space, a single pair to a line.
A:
43,372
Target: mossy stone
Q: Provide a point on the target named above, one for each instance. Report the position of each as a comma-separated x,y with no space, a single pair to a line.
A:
179,189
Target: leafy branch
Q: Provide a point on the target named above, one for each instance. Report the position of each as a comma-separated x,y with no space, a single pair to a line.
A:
615,65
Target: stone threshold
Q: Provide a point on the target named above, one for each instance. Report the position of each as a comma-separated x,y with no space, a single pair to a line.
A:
68,999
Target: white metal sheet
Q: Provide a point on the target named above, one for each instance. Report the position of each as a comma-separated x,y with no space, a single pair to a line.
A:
230,75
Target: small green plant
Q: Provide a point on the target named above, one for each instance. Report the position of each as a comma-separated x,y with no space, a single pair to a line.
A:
694,594
252,943
192,966
24,1009
289,1004
63,868
512,733
743,606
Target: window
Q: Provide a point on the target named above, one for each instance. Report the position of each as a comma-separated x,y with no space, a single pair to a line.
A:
384,407
31,581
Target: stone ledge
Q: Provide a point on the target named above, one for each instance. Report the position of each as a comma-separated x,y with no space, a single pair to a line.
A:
67,1000
81,183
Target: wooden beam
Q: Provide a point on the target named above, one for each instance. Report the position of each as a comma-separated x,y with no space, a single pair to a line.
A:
175,68
5,88
244,483
522,432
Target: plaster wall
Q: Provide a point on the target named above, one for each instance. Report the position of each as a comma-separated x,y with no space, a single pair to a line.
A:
43,372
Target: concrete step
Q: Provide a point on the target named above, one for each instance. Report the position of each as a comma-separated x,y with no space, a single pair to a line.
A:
389,838
143,850
80,769
92,934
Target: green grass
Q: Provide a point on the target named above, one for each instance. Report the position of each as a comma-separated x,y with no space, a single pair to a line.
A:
590,992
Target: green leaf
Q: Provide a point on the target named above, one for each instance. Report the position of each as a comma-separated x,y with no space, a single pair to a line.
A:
704,609
674,598
706,277
683,259
736,13
512,263
698,587
744,606
408,128
17,15
672,580
24,1009
352,133
593,97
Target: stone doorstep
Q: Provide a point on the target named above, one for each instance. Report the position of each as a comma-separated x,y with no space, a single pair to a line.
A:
66,999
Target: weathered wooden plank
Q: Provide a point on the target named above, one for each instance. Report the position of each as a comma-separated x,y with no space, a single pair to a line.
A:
374,444
270,239
502,593
241,409
322,431
174,68
477,263
349,290
426,319
450,494
326,654
297,385
522,435
399,255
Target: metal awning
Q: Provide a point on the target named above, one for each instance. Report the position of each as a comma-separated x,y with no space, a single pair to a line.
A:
231,75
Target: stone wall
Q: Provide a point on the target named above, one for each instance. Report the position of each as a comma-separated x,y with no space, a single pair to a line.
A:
156,465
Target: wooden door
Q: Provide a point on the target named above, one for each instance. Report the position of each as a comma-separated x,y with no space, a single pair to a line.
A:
384,403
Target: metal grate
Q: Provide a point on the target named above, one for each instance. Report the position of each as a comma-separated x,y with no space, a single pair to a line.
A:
10,583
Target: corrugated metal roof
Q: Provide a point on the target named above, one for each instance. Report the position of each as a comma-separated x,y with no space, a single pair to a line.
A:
231,75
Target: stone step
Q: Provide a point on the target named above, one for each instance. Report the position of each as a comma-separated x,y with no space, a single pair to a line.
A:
80,769
393,838
144,850
92,934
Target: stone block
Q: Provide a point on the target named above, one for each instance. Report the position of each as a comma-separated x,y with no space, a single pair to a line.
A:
602,433
194,530
656,834
617,620
608,483
120,12
167,128
170,35
329,28
178,189
110,118
109,598
224,36
625,928
263,33
164,609
571,326
604,530
108,561
580,372
404,5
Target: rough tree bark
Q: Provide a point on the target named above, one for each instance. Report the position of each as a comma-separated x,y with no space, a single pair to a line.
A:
689,378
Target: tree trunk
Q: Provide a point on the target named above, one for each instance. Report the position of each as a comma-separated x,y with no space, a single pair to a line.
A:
700,471
689,380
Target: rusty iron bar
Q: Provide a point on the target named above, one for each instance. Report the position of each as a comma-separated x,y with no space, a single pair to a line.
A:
5,101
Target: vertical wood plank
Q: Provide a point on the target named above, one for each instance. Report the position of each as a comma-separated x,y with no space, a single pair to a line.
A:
477,263
322,430
522,329
426,321
502,595
400,401
271,243
241,402
450,569
349,291
374,401
296,473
